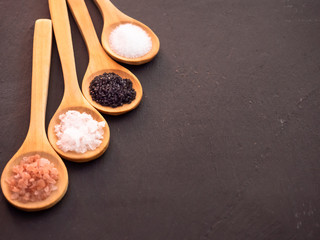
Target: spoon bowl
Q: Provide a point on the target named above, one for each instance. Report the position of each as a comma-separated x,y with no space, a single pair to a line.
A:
72,99
112,18
107,29
94,71
36,141
100,62
55,196
74,156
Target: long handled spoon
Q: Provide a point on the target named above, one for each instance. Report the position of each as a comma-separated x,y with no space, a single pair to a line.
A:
113,17
36,141
100,62
72,98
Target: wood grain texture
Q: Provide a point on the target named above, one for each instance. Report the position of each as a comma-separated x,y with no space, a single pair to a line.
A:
36,141
100,62
113,17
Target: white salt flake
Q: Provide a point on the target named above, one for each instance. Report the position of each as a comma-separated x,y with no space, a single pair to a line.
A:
130,41
78,132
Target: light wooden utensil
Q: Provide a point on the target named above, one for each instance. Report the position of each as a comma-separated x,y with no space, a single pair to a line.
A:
36,141
100,62
72,98
113,17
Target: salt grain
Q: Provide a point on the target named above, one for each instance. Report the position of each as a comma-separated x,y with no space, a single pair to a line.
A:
78,132
130,41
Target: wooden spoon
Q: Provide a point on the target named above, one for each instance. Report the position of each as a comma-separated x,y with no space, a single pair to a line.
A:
113,17
72,99
36,141
100,62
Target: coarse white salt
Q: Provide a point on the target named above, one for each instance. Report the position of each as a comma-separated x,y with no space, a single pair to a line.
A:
130,41
78,132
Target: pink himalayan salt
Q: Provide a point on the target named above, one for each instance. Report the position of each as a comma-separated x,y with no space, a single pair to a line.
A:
33,179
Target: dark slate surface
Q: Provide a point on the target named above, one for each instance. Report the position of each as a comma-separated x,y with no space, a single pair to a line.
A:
226,141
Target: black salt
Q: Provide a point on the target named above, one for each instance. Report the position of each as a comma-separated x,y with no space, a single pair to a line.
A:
109,89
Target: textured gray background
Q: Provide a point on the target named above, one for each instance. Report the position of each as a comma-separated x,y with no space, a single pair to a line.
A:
225,143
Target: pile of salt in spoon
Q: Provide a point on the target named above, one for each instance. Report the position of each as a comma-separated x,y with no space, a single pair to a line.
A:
109,89
130,41
137,43
33,179
78,132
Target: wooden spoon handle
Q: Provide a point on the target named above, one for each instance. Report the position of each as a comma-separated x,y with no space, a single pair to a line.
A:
62,32
110,13
83,19
42,43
